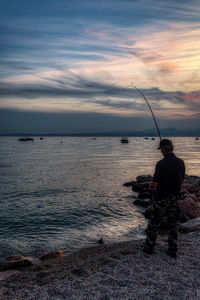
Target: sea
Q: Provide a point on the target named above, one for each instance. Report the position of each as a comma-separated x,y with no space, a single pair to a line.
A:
67,192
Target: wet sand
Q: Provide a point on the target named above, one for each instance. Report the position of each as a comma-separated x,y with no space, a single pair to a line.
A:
117,271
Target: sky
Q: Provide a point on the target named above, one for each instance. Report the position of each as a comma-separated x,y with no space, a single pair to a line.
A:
71,66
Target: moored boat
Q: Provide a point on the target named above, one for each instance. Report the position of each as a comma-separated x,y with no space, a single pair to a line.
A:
25,139
124,140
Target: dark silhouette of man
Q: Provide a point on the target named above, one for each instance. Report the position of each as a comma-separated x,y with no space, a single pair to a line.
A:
167,179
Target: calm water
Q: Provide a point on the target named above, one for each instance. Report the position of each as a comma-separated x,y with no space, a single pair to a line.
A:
69,195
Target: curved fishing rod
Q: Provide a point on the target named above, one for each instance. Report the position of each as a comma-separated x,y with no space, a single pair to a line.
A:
149,109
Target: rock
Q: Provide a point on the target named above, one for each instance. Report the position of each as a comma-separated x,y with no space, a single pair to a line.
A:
142,202
17,264
190,206
147,213
145,195
189,201
52,254
191,225
143,178
131,183
14,257
100,241
139,187
183,217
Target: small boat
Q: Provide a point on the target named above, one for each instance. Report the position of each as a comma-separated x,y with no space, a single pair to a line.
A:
41,138
146,138
153,139
26,139
124,140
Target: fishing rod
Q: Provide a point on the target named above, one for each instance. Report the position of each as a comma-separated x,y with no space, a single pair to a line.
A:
149,109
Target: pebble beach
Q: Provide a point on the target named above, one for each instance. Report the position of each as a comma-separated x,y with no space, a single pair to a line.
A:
115,271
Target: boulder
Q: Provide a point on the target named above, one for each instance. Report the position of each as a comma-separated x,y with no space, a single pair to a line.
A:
183,217
140,187
148,211
141,183
17,264
190,206
189,201
142,202
145,195
100,241
191,225
14,257
143,178
52,254
131,183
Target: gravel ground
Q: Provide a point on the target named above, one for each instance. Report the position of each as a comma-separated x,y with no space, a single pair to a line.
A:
117,271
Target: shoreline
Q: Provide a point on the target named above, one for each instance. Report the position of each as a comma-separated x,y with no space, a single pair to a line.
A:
115,271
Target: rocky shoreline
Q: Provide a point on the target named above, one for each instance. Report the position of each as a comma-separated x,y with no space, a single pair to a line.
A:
189,202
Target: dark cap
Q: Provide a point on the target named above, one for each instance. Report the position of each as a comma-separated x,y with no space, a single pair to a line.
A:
165,142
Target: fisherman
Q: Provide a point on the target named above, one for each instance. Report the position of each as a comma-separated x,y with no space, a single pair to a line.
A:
167,179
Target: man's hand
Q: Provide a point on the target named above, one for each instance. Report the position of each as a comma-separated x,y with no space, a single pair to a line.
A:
153,185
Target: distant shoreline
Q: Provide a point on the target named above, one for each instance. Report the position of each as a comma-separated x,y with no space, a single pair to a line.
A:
99,134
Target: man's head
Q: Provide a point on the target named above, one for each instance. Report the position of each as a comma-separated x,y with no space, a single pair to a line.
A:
166,146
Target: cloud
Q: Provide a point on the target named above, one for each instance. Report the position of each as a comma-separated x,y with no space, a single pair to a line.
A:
69,91
162,53
79,56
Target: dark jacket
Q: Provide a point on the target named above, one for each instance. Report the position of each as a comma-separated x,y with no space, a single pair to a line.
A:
169,174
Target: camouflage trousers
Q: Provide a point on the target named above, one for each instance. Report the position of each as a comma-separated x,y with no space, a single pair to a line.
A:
163,207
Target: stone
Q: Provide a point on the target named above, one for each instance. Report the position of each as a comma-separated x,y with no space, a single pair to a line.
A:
143,178
52,254
17,264
100,241
145,195
131,183
148,210
139,187
183,217
189,200
14,257
190,206
190,226
142,202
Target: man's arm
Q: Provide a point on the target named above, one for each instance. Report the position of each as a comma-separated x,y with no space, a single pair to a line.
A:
156,177
183,175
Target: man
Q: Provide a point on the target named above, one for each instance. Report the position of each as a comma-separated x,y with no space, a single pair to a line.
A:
167,179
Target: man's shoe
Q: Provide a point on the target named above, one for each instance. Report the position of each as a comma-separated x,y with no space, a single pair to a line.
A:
147,250
172,253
